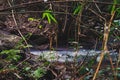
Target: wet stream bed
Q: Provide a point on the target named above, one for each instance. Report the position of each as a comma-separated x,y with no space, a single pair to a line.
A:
71,55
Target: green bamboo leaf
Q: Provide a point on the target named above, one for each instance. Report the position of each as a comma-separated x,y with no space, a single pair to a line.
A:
113,7
48,11
48,18
53,18
43,16
77,10
48,14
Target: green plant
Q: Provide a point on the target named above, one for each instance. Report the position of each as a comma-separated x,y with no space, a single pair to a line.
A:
20,45
11,54
50,17
77,9
38,73
113,7
118,72
88,66
114,29
118,12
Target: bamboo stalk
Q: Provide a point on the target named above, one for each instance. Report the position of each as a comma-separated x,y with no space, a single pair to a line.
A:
105,40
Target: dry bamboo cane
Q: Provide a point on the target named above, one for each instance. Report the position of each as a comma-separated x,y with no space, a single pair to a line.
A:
105,40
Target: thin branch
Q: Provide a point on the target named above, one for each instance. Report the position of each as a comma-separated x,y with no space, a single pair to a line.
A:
22,5
97,7
66,17
97,14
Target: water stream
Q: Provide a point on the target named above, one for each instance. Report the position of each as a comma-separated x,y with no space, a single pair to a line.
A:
69,55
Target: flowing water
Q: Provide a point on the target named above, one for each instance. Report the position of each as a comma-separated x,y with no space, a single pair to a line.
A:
70,55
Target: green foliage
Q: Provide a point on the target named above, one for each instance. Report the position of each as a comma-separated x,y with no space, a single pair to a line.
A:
33,71
113,6
88,67
115,29
50,17
20,44
77,9
116,23
11,66
102,72
39,72
117,12
11,54
27,68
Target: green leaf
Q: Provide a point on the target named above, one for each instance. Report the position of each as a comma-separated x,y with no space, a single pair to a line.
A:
77,10
48,18
114,6
16,57
11,66
11,54
38,73
48,14
117,12
43,16
27,68
53,18
48,11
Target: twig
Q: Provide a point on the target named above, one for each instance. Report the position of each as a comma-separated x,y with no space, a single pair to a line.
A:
18,76
54,73
97,14
112,66
97,7
65,22
81,78
57,1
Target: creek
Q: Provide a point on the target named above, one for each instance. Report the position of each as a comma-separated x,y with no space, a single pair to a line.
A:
71,55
